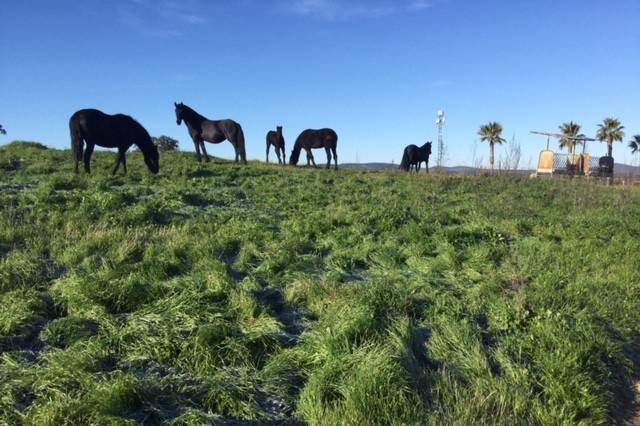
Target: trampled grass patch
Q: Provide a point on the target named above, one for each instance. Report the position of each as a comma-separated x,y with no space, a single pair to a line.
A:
217,294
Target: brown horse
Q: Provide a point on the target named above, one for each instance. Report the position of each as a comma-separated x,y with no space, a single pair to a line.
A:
277,140
120,131
315,139
215,131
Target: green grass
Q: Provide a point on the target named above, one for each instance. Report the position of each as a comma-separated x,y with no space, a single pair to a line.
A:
216,293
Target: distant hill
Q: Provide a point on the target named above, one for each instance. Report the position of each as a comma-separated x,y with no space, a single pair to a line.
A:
625,169
391,167
620,169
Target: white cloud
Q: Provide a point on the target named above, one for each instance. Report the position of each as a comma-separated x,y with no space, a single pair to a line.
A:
348,9
165,18
419,5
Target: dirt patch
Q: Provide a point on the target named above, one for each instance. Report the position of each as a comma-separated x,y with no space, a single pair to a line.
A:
293,320
635,416
630,413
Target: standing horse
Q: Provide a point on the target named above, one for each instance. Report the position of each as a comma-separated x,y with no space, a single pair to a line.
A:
314,139
120,131
215,131
277,140
414,156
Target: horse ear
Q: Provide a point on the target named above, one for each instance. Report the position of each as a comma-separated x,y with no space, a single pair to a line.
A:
175,104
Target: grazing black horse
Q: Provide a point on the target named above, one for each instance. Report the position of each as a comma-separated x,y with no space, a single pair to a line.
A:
120,131
277,140
215,131
414,156
314,139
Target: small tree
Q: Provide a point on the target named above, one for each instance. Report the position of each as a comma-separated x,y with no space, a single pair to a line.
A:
165,143
2,130
610,131
492,133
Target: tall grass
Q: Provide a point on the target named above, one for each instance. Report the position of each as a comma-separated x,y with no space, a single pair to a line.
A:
219,294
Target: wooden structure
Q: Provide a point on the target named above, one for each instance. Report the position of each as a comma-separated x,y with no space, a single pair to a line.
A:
551,163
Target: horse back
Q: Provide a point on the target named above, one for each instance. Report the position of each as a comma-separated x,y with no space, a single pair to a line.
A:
411,150
318,138
109,131
216,131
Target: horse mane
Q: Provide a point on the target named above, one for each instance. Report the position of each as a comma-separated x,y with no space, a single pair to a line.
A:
143,139
192,114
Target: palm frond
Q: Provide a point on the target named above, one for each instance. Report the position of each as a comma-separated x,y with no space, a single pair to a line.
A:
634,144
492,133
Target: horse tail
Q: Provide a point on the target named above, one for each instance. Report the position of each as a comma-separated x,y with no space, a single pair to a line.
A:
404,164
240,144
77,139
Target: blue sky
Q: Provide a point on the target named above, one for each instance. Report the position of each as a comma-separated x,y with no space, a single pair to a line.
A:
375,70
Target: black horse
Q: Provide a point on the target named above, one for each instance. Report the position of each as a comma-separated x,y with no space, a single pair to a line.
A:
314,139
215,131
277,140
120,131
414,156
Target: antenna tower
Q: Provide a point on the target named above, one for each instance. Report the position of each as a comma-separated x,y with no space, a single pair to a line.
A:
440,123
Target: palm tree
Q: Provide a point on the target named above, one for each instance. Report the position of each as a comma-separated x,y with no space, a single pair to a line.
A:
634,144
610,131
492,133
570,131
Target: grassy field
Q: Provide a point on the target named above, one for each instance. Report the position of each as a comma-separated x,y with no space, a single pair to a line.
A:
222,294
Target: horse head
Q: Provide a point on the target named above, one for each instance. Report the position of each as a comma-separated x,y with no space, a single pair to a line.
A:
151,158
428,145
149,151
293,157
179,112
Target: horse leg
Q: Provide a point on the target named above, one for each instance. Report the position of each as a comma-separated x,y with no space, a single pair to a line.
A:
196,142
124,160
310,156
284,156
118,160
279,156
87,158
268,148
204,151
328,151
335,156
234,142
77,150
